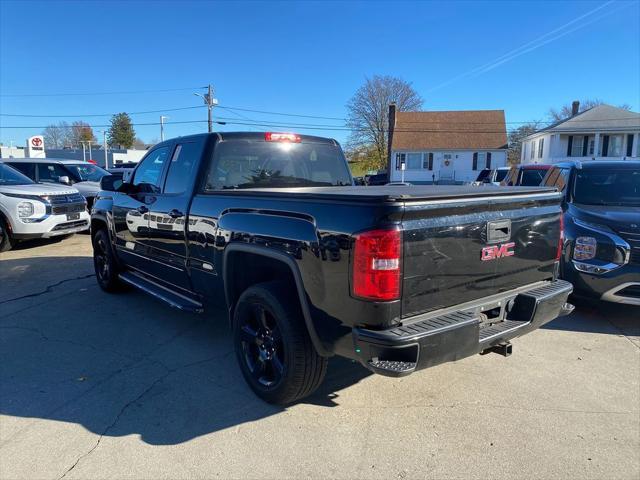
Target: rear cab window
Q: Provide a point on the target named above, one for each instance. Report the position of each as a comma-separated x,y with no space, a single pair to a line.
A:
242,164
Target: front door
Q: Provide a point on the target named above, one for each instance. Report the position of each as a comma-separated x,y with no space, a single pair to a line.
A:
167,241
131,208
447,172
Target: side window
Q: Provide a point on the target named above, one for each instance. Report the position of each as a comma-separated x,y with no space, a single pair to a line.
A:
51,172
182,166
28,169
149,172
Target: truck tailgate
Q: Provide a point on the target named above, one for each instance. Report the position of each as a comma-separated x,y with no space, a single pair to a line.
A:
444,264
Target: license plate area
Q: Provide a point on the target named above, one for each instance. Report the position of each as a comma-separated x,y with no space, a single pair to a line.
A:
73,216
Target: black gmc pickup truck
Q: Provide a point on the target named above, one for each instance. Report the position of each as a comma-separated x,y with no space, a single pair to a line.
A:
308,265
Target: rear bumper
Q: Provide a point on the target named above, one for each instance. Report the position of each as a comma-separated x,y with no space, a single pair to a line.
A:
458,334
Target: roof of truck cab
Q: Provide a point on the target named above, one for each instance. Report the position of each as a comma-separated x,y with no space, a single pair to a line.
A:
258,136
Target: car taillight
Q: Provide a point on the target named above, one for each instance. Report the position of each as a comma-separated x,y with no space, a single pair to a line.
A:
282,137
377,261
561,239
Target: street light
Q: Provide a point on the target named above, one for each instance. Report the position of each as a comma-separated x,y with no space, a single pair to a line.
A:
162,119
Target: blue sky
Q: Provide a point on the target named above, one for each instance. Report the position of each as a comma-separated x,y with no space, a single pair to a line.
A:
306,58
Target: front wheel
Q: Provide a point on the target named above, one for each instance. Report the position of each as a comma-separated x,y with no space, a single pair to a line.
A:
6,239
104,263
273,347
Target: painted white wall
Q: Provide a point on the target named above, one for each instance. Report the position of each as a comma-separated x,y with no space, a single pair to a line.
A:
461,166
130,156
556,145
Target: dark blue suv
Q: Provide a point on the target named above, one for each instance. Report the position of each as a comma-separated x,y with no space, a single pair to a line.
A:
601,255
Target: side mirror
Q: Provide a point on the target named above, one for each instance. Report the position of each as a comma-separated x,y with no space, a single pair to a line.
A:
64,179
110,183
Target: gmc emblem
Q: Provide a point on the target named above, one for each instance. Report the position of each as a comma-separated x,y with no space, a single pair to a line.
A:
497,251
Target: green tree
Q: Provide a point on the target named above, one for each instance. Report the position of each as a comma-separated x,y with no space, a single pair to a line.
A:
368,114
121,133
81,132
514,141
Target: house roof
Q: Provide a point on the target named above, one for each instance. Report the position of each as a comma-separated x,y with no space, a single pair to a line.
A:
455,130
596,119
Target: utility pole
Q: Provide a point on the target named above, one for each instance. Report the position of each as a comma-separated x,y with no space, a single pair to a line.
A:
210,102
84,152
162,119
90,155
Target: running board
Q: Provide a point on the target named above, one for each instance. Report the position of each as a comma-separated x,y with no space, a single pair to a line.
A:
174,299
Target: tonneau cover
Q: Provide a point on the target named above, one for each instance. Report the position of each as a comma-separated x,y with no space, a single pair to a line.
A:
397,192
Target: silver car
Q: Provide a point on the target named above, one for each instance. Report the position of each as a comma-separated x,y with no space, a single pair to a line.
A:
84,176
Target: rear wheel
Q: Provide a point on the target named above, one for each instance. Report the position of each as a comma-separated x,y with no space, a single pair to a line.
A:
7,241
104,263
273,347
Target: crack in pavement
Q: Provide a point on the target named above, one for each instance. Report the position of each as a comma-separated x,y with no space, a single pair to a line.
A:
125,368
131,402
47,289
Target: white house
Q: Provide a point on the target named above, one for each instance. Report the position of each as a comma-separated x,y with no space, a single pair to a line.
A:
445,147
600,133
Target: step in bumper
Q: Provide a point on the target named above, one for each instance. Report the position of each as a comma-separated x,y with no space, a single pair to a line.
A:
458,334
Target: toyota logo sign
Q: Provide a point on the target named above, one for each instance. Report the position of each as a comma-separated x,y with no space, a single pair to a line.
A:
36,141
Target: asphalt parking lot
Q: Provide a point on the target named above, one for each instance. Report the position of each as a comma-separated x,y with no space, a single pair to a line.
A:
100,386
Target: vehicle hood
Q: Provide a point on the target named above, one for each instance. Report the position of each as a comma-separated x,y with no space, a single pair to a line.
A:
616,218
40,189
87,188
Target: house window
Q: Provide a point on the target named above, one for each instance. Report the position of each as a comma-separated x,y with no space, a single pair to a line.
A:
480,161
615,146
532,152
414,161
540,147
400,159
592,144
427,162
576,146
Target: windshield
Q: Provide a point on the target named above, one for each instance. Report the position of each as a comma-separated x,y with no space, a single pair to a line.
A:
10,176
87,172
608,187
532,178
500,174
240,164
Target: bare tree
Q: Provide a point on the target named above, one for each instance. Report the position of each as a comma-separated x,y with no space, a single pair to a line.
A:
57,136
82,132
368,113
515,137
564,112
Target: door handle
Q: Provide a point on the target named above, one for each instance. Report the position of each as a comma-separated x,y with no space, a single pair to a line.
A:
175,213
143,209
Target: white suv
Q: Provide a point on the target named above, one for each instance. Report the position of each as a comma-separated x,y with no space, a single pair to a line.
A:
34,210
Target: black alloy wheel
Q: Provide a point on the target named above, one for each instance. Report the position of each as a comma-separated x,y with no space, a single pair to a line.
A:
104,264
262,347
273,347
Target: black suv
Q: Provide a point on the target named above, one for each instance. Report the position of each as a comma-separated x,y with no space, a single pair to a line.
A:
602,227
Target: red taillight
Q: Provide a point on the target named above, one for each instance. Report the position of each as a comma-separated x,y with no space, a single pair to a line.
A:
377,259
282,137
561,239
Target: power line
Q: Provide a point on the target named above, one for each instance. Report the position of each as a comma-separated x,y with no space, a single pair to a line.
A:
281,113
286,126
130,92
20,115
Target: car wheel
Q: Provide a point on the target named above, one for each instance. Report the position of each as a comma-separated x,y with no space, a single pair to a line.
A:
273,347
104,263
7,242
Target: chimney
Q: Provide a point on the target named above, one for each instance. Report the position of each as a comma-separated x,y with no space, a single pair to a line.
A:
575,108
392,124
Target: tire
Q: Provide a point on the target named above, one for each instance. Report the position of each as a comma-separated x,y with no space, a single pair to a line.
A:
104,263
7,242
273,347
